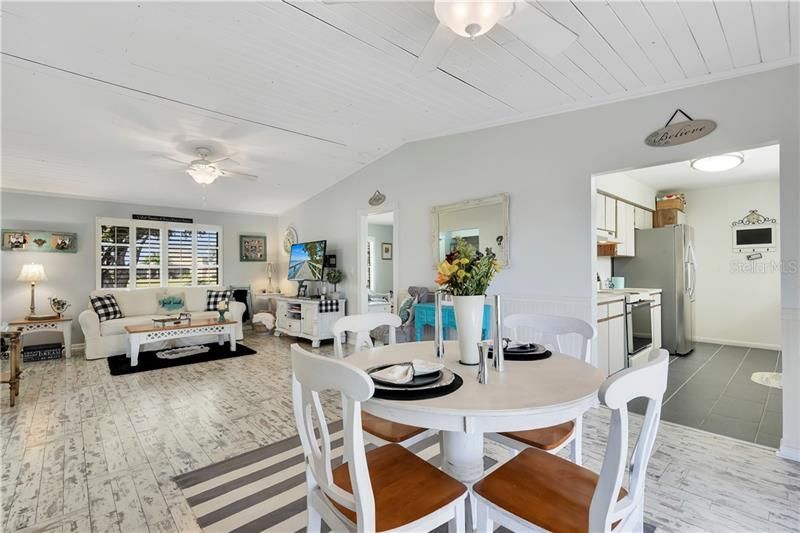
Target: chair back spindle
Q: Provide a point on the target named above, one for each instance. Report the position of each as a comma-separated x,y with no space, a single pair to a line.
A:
312,374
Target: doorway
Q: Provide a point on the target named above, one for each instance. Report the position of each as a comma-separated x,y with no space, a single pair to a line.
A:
378,267
704,246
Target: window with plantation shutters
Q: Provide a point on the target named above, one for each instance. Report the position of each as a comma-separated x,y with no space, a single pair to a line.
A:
137,253
180,256
207,257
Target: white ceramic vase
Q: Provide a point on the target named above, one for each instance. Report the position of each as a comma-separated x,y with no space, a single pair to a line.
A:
469,319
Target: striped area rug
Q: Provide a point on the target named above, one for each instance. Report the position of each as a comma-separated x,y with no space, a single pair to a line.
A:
265,489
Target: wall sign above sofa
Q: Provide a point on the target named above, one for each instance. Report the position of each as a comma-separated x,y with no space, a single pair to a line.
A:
159,218
680,132
19,240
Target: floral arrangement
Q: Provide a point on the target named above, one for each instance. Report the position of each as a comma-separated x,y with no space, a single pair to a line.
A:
467,272
59,305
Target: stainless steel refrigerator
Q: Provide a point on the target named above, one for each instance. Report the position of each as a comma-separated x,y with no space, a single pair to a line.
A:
665,259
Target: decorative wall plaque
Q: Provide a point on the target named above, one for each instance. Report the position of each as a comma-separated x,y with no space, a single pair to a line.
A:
680,132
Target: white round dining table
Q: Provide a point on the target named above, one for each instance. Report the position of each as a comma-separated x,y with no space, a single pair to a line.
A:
526,395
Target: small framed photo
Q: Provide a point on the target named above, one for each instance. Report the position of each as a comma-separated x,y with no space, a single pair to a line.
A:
386,250
252,248
330,261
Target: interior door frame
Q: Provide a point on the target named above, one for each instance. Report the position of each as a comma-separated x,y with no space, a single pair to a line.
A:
361,245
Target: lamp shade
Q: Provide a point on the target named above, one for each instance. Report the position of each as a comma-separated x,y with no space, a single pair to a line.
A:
32,272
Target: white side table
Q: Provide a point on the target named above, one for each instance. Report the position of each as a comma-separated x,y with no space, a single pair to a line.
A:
63,325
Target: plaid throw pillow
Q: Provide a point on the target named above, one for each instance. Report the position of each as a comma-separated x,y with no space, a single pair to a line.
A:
213,298
106,307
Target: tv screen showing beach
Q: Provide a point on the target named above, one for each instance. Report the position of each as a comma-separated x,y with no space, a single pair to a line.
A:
306,261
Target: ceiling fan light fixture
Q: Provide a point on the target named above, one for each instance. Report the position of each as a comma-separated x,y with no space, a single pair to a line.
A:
718,163
471,18
203,173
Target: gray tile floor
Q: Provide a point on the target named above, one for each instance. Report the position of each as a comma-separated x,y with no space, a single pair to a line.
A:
711,389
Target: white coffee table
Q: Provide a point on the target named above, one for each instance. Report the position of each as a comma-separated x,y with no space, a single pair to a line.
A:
138,335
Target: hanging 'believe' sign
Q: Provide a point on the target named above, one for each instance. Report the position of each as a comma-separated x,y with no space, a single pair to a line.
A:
680,132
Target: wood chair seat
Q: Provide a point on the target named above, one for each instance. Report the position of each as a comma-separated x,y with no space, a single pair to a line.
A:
543,489
548,438
406,488
388,430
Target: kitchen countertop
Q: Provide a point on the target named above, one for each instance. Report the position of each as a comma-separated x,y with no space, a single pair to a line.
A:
606,296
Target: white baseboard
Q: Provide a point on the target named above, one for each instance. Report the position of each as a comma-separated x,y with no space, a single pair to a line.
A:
742,344
787,452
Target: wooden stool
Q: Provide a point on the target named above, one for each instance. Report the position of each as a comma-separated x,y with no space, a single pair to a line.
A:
12,377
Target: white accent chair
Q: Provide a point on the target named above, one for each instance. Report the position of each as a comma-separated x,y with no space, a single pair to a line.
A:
552,329
386,489
379,430
540,491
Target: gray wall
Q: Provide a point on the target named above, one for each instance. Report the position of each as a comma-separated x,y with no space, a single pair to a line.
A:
72,276
383,267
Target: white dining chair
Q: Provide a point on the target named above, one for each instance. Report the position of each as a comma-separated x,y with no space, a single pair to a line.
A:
549,329
380,431
539,491
385,489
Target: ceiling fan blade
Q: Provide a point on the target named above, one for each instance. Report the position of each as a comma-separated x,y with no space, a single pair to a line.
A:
435,49
242,175
538,29
184,163
225,159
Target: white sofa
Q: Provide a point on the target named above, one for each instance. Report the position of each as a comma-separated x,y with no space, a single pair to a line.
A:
139,307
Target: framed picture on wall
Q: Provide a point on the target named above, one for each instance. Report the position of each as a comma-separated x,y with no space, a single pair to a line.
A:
40,241
386,250
252,248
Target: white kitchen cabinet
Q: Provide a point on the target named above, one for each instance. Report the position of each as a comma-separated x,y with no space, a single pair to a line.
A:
643,219
599,211
611,214
626,220
610,337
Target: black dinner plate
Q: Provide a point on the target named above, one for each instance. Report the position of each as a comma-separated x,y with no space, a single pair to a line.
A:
416,381
524,352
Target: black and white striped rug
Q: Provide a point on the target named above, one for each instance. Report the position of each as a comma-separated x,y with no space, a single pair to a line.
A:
265,489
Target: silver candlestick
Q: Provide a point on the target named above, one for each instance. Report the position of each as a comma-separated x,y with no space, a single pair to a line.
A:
483,362
497,340
438,330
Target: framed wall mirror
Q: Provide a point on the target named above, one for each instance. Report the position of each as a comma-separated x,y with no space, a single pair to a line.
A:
484,223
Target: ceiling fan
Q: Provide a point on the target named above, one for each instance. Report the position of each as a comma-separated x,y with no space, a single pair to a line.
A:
205,171
471,19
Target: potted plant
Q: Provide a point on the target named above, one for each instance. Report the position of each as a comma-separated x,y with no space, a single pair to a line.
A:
466,274
334,276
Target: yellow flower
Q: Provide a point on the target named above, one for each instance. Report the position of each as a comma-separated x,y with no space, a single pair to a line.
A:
461,274
445,271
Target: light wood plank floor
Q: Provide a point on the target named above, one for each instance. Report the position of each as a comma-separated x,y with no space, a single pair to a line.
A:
84,451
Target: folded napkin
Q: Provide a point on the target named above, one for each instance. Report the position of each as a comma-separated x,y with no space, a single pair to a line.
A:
404,372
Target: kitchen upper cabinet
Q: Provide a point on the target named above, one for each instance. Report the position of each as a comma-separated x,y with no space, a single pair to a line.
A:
626,219
643,219
605,213
611,214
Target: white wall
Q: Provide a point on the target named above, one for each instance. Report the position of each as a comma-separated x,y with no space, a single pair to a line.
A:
545,165
738,301
383,267
72,276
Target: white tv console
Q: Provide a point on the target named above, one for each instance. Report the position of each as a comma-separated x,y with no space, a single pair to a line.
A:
301,317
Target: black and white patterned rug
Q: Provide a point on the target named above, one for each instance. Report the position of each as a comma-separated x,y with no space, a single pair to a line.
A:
265,489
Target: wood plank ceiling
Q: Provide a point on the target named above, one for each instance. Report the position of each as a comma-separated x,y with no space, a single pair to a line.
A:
96,96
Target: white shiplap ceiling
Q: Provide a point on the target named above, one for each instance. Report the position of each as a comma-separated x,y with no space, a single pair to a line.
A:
95,96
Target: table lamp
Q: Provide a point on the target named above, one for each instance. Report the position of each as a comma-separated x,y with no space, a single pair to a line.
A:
33,272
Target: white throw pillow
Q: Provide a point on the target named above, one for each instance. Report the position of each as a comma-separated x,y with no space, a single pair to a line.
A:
135,302
195,297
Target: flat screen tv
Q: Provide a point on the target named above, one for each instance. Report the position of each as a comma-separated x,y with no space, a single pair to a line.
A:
306,261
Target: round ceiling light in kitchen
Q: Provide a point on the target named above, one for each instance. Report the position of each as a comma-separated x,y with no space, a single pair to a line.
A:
718,163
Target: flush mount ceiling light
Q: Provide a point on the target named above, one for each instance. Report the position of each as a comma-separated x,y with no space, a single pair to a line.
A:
718,163
470,18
